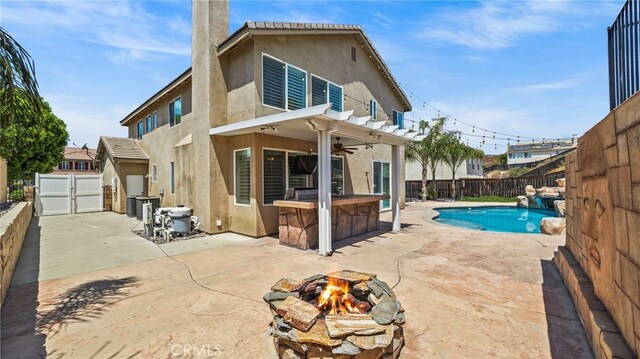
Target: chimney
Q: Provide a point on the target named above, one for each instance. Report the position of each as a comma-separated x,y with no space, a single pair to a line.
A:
209,106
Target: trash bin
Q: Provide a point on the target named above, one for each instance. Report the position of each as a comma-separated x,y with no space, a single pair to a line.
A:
131,206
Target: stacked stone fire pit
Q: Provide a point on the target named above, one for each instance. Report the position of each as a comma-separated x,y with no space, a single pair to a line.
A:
345,314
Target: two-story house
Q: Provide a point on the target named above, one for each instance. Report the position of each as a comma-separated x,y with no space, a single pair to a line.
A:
223,138
77,160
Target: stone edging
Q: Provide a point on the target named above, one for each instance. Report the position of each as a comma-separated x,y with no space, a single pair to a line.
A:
603,334
13,230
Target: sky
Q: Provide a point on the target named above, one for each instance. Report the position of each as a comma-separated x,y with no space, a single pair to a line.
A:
521,68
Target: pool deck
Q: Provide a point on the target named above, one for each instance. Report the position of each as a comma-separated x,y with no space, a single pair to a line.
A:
467,294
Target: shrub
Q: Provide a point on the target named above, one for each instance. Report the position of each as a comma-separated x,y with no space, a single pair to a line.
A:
16,195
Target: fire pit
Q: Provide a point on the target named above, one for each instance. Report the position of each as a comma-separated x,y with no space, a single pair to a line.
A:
344,315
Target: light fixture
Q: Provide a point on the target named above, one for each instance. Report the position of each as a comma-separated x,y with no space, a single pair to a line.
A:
377,136
272,128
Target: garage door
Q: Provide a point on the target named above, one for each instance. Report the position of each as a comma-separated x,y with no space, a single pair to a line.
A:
68,193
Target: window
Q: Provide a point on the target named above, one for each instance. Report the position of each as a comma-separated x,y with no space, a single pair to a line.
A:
337,176
398,118
175,112
382,181
353,54
65,165
296,88
273,82
148,121
172,173
154,120
242,176
274,176
323,91
373,109
154,173
82,166
283,86
295,180
140,130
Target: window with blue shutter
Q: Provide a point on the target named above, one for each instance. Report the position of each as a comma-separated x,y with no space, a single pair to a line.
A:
398,118
335,97
140,130
296,88
373,109
155,120
242,176
148,120
273,86
273,175
175,112
318,91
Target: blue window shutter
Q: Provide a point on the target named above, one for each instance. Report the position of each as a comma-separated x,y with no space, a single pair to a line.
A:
400,120
171,114
296,89
335,97
318,91
273,72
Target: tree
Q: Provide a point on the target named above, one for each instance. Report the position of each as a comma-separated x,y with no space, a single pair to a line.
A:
19,88
502,159
428,151
455,153
36,148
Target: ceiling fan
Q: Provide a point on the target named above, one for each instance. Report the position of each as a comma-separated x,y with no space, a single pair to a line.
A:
339,148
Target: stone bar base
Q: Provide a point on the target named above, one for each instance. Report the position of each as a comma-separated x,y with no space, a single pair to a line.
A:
298,227
602,332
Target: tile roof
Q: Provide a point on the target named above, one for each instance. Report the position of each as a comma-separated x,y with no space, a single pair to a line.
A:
122,148
75,153
299,26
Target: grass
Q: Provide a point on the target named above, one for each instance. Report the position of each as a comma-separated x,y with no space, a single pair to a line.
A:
489,199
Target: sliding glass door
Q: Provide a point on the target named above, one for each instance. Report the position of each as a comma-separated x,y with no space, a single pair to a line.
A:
382,181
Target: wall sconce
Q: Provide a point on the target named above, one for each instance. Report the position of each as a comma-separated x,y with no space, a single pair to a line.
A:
377,136
272,128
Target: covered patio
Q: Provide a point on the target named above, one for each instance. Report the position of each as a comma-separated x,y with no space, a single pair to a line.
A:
320,124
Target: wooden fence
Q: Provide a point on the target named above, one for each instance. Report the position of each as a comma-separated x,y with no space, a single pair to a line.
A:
477,187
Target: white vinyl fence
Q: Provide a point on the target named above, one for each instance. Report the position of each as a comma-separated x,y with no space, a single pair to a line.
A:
68,193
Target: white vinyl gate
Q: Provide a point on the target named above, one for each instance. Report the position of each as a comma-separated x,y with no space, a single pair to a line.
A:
68,193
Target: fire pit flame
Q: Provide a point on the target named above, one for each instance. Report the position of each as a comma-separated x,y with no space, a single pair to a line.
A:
336,297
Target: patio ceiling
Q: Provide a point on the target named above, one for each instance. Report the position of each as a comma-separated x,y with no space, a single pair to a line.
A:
302,125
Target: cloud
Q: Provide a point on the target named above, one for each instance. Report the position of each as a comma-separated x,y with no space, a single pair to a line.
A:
126,28
498,24
475,58
549,86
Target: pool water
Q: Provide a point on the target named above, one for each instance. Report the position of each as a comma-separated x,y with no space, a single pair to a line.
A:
497,219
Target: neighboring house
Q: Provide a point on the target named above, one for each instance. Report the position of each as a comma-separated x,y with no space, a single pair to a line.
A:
537,151
471,168
224,136
124,166
77,160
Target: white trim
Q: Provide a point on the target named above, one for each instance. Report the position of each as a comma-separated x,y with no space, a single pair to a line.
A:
234,177
174,110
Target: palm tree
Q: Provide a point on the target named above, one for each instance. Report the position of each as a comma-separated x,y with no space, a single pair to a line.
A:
455,153
427,152
19,88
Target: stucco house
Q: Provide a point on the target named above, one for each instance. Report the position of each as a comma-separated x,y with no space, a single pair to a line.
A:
77,160
223,138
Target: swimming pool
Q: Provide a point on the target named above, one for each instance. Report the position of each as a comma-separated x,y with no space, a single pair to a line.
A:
497,219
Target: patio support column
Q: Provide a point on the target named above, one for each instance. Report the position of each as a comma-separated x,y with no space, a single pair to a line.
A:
395,186
324,192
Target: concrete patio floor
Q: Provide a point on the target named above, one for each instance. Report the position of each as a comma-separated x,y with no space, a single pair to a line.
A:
466,293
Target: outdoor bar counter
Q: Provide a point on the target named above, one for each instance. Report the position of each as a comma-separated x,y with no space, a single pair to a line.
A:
350,216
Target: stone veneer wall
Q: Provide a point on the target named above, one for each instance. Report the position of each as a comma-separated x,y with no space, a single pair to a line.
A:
603,218
3,180
13,229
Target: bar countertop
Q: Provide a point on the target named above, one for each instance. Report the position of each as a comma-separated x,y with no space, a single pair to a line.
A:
335,201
